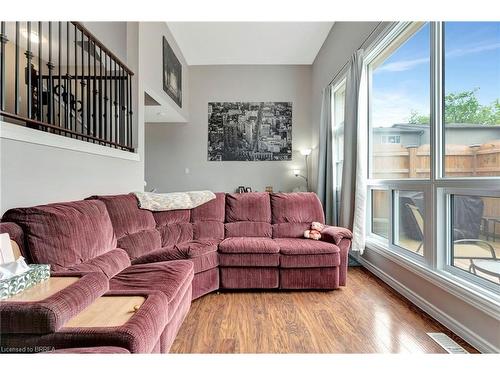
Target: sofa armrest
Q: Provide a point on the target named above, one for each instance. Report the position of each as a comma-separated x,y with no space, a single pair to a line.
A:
342,238
16,235
335,234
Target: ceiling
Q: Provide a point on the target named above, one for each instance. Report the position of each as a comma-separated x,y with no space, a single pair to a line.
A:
224,43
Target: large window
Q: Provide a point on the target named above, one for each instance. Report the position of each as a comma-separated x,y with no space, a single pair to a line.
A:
475,236
399,110
434,149
471,99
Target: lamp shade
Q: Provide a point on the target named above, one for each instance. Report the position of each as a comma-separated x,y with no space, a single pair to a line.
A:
306,151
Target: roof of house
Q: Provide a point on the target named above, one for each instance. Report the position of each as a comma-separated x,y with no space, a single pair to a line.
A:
419,128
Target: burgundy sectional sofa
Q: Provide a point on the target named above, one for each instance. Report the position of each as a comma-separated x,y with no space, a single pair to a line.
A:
236,241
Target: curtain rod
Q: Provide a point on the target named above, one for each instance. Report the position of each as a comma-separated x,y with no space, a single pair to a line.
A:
361,46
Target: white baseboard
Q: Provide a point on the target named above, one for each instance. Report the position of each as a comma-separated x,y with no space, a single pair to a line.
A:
452,324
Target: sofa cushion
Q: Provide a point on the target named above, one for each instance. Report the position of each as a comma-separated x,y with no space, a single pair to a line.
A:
249,245
208,230
171,217
140,243
202,253
175,233
248,229
65,234
173,226
294,246
111,263
248,207
290,230
296,208
134,227
208,219
173,279
293,213
193,249
249,260
309,260
213,210
125,214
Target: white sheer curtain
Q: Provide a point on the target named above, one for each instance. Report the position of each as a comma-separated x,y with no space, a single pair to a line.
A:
354,173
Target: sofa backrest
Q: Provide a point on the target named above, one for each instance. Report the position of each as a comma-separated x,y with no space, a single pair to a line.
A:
174,226
248,215
208,219
293,213
141,231
65,234
135,229
68,234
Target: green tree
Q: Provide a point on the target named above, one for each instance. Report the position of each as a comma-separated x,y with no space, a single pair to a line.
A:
416,118
463,108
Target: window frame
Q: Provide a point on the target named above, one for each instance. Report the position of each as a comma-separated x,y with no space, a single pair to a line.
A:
446,240
437,188
389,243
391,34
369,217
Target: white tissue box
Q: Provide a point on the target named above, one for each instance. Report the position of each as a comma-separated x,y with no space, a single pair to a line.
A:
16,284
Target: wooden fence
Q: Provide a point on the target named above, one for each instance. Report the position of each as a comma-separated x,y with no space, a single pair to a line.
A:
397,161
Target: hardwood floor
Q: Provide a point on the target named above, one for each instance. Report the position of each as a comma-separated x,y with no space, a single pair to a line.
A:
365,317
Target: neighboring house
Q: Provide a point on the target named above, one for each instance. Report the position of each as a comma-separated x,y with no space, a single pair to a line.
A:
419,134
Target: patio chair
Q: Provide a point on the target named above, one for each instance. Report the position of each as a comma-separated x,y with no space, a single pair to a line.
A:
418,223
465,248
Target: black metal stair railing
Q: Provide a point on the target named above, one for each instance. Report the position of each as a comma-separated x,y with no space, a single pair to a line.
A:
68,83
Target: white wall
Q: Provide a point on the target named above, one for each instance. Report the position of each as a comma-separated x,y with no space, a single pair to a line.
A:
36,174
151,52
170,148
464,318
112,35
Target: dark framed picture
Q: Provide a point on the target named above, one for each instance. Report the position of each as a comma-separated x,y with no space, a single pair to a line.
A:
241,189
172,74
249,131
248,189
